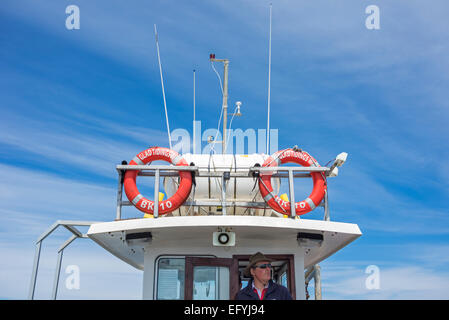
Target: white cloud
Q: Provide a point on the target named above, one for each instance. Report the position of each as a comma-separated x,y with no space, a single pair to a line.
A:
404,62
106,278
31,202
88,145
35,193
404,282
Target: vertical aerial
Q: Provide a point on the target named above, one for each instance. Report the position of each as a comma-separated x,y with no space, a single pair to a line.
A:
194,137
162,83
269,87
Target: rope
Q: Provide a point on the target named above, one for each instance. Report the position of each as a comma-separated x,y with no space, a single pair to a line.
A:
219,78
274,197
230,126
192,200
221,113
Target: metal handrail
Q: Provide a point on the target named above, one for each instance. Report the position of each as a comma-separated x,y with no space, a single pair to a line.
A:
69,225
172,171
314,273
196,168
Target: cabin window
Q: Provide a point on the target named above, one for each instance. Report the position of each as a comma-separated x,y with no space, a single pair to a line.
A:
284,279
170,278
210,283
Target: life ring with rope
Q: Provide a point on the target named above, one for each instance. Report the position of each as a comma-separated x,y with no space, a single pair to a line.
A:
145,157
292,156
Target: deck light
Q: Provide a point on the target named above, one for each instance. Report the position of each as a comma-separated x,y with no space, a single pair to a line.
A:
334,172
338,162
341,158
138,237
309,240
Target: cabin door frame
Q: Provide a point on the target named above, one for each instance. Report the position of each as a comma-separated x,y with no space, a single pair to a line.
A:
230,263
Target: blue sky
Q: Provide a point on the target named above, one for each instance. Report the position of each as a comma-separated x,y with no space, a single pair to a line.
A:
75,103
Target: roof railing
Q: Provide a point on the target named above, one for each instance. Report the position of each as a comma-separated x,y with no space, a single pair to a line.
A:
158,171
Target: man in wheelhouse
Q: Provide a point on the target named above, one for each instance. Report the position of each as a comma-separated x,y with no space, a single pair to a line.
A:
261,287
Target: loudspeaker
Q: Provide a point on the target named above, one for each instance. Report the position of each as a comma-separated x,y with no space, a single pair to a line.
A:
223,239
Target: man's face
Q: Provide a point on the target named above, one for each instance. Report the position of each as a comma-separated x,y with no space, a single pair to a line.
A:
262,275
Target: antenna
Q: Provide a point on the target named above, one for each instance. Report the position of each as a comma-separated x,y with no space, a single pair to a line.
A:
269,87
162,83
194,138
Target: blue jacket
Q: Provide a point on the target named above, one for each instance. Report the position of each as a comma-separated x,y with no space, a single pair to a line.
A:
274,292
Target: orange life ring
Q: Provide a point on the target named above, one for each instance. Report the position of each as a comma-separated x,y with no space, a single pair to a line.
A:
280,205
166,206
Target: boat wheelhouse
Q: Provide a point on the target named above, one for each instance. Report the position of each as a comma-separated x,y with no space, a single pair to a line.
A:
196,244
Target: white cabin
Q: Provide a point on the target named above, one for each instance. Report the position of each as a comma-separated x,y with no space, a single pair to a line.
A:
181,254
180,261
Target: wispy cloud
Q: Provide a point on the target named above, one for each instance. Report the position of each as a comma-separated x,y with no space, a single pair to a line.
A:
95,278
405,282
83,101
46,195
31,202
64,143
407,269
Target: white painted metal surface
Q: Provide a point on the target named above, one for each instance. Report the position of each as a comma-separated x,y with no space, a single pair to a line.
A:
184,233
237,189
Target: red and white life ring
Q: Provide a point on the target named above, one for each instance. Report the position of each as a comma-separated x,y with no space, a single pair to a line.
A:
166,206
280,205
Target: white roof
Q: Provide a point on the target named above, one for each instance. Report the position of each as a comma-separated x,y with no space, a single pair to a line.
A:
196,231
